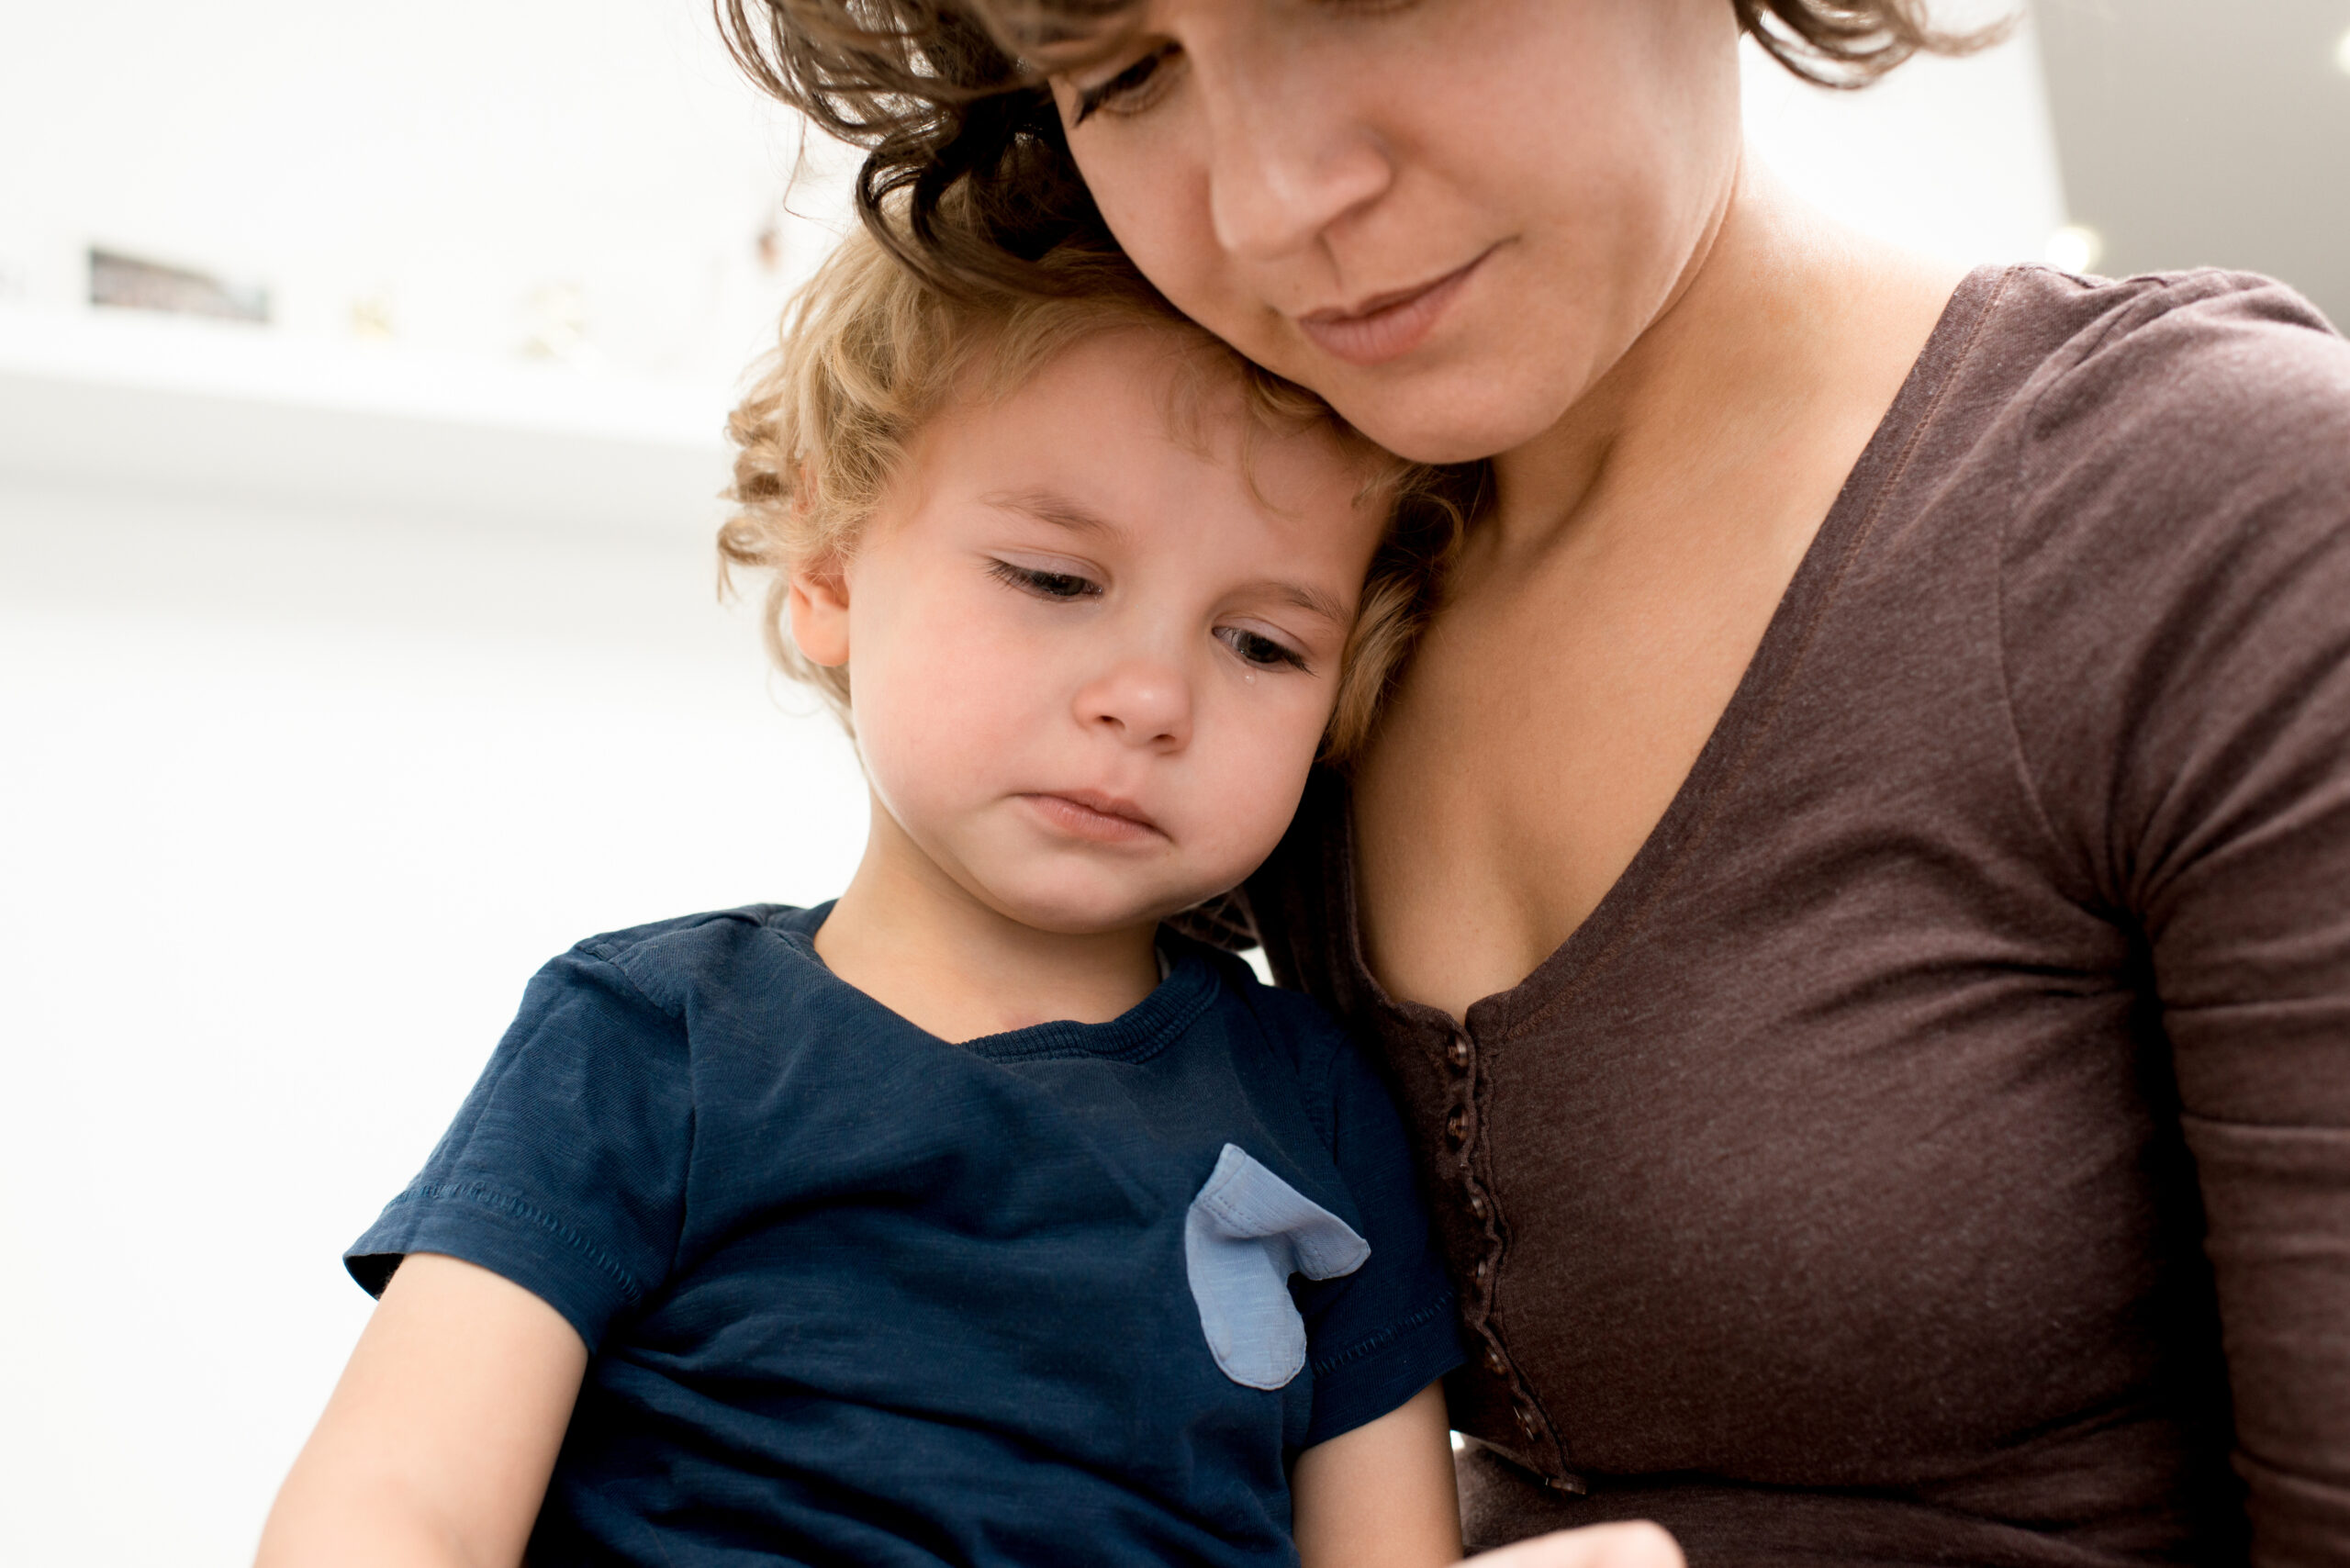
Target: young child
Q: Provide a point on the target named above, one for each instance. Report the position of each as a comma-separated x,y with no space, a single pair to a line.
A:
973,1217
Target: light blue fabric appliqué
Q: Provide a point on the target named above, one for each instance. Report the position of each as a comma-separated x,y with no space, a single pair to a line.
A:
1246,1233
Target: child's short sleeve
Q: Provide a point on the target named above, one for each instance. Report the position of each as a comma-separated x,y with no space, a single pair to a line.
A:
1378,1335
566,1168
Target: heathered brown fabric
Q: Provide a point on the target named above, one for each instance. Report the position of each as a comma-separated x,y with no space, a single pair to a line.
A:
1951,1106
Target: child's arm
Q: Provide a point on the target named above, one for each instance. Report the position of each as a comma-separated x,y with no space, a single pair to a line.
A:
438,1443
1382,1496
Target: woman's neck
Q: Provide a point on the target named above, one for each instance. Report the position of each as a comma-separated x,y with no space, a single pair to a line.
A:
1783,323
911,936
1596,627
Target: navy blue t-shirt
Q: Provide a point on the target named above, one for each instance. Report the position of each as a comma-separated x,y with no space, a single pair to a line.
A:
856,1294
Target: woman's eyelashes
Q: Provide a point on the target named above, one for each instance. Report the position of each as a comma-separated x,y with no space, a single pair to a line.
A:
1045,582
1141,85
1131,90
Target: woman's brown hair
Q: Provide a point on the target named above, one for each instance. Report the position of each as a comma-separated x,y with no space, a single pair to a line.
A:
938,94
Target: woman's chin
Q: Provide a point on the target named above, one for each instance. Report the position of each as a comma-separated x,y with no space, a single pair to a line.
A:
1442,417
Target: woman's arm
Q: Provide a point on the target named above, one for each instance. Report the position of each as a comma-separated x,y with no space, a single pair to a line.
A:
437,1444
2178,667
1384,1497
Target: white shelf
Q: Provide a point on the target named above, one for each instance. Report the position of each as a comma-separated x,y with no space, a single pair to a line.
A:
223,412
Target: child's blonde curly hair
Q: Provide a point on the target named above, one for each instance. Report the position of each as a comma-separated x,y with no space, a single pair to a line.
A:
869,350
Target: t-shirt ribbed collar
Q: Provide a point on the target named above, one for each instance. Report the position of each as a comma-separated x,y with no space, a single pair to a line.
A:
1134,1036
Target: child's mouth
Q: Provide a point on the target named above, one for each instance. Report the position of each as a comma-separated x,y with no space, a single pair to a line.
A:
1088,814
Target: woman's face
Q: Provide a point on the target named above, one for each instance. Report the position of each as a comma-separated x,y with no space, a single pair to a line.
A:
1448,217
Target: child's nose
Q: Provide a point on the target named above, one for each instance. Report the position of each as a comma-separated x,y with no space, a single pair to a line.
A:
1142,702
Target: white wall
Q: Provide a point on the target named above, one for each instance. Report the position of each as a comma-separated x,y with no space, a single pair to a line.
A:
294,801
1953,157
340,684
343,682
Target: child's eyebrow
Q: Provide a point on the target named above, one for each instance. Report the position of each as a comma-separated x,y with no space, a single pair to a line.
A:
1312,602
1047,506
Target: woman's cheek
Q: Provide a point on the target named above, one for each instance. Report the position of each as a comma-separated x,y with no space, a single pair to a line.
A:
1156,208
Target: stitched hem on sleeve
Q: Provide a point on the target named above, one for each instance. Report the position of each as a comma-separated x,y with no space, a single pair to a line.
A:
506,1235
1377,1374
1440,1308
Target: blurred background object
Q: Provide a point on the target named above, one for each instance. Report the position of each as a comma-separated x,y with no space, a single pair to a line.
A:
358,646
481,160
130,283
2191,134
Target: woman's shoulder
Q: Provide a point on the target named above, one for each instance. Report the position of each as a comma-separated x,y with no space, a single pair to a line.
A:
2133,446
2177,384
2174,550
2164,431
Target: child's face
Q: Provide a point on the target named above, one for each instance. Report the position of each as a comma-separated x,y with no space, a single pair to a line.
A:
1090,662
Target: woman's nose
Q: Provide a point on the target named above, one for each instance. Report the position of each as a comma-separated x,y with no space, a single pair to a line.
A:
1140,702
1286,158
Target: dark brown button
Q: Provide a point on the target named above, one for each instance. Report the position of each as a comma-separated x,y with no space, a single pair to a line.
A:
1456,1126
1525,1421
1477,1204
1482,1269
1458,1050
1495,1360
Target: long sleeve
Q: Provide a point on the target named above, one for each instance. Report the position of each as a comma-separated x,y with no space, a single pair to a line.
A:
2176,620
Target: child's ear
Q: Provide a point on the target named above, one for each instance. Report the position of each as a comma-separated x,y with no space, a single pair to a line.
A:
819,610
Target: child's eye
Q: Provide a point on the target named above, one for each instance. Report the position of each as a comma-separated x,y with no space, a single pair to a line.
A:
1131,91
1256,648
1042,583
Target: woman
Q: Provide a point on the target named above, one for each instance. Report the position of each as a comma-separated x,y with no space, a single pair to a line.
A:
1851,887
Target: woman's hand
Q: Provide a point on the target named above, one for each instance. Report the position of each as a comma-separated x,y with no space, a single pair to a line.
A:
1640,1545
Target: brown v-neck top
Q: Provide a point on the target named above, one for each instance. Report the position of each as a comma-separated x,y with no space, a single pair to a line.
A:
1945,1121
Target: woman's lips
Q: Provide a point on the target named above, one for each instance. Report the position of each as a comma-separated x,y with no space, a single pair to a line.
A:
1100,819
1386,326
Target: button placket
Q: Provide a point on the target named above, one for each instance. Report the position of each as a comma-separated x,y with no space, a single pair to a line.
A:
1461,1052
1460,1126
1463,1130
